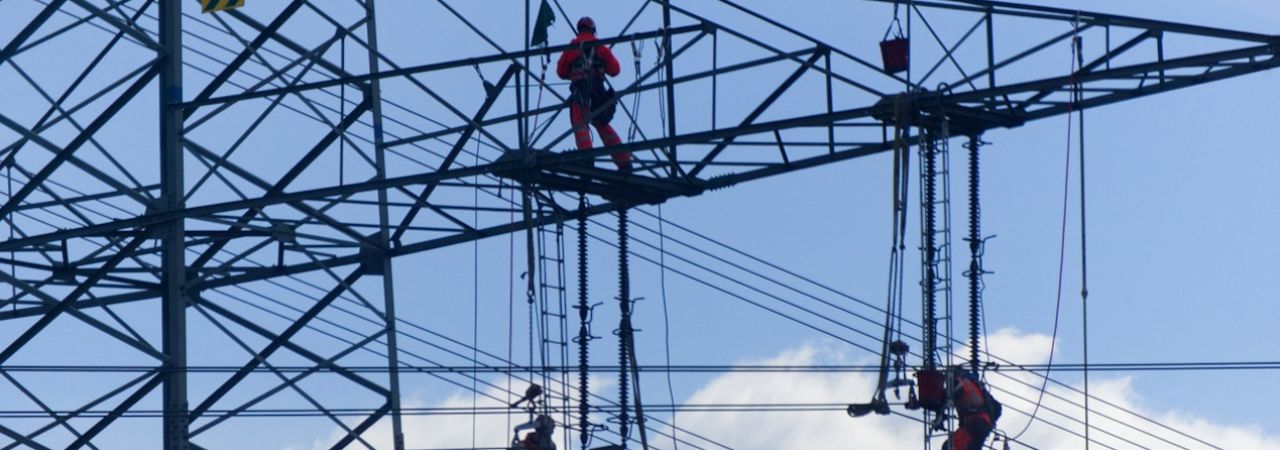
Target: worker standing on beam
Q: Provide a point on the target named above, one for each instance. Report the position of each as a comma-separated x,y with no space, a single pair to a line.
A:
585,67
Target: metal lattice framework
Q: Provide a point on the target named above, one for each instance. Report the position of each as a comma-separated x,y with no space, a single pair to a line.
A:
298,157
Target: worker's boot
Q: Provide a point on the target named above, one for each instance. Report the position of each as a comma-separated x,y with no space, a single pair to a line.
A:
623,161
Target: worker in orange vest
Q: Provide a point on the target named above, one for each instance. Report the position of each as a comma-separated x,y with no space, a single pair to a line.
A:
976,409
585,66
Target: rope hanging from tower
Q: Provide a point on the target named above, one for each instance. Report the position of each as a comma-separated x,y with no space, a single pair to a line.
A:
894,350
1077,63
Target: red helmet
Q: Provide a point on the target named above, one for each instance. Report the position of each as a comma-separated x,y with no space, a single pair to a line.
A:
586,24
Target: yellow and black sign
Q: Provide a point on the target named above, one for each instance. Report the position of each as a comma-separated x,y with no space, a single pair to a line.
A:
208,6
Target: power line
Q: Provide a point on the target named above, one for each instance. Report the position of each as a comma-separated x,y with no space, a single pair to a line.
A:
1070,388
684,368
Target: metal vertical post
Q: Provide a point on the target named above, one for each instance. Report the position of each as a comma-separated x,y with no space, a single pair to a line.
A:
831,127
384,236
173,262
669,68
715,70
522,89
991,50
1159,54
910,83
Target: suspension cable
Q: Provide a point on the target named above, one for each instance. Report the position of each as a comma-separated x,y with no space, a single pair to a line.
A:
637,53
666,322
530,267
542,85
1062,251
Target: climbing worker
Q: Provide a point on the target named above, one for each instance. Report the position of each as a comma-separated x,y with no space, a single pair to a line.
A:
977,410
586,66
544,429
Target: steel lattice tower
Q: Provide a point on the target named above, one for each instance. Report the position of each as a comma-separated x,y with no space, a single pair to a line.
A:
235,188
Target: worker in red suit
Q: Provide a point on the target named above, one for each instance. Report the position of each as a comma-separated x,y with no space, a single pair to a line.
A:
586,66
974,406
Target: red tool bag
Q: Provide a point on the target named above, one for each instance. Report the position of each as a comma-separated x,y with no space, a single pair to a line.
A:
933,389
896,54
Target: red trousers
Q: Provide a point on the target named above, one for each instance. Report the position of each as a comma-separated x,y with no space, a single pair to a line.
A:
971,434
581,134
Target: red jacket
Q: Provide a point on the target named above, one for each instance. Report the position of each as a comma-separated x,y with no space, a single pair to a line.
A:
969,400
564,67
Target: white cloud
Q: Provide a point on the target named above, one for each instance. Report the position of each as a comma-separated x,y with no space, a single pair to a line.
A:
1117,413
749,431
809,430
1113,425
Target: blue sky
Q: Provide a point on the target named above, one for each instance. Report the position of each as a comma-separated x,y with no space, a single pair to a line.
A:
1180,217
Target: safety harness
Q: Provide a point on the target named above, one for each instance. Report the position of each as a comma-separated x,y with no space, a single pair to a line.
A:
590,90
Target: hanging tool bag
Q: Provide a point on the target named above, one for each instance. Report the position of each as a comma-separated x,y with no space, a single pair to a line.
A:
896,52
933,389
